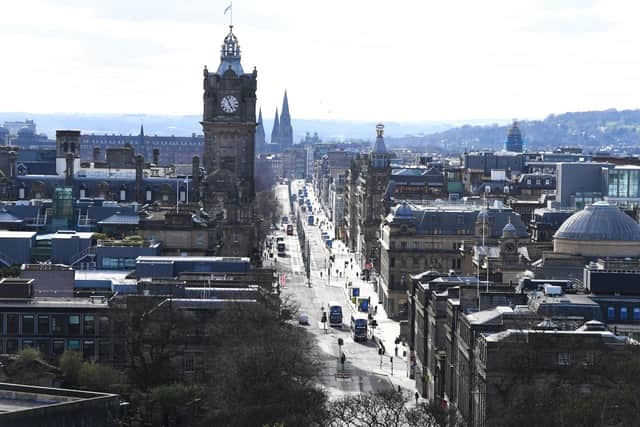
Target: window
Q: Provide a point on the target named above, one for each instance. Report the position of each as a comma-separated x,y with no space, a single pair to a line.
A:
611,313
58,324
28,324
89,349
43,325
27,343
623,313
392,245
74,345
12,324
42,346
12,346
636,314
392,262
74,324
104,350
564,359
188,362
57,347
103,325
89,325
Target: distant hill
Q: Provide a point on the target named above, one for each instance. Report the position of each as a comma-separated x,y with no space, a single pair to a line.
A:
328,130
612,130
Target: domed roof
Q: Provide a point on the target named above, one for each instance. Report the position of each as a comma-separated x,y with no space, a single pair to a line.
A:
403,211
599,222
509,230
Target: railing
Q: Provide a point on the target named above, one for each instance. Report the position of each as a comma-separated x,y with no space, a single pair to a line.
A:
82,254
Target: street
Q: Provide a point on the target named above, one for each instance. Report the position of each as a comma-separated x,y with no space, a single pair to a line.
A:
364,369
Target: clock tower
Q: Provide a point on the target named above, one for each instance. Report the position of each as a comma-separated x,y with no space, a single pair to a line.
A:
229,125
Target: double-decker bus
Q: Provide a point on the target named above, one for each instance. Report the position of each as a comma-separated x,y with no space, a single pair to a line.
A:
335,314
359,327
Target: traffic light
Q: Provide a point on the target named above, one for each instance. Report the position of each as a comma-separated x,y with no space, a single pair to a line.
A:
340,341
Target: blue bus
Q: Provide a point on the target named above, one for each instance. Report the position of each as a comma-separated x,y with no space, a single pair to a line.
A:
335,314
359,327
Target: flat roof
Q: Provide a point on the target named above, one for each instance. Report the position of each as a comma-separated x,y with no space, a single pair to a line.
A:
54,302
148,258
5,234
115,276
19,397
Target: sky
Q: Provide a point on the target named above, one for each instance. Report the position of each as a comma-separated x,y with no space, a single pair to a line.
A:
398,60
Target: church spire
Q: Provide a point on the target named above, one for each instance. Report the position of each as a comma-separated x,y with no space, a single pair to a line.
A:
285,131
275,132
260,139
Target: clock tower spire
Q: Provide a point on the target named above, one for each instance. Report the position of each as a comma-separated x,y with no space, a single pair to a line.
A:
229,125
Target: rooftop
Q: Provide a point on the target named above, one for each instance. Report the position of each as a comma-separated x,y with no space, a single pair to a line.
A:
191,259
4,234
599,221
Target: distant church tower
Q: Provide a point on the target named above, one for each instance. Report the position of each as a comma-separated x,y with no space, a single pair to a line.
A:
285,131
514,139
275,131
260,136
229,125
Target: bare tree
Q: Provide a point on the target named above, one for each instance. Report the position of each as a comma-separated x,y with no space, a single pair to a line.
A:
384,409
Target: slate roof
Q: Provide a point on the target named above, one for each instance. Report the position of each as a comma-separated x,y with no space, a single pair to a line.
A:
600,221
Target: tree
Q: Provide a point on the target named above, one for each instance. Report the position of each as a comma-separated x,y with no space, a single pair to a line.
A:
266,372
70,363
385,409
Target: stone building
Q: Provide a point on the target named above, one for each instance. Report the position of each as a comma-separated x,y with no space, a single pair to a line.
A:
419,238
439,237
229,124
367,181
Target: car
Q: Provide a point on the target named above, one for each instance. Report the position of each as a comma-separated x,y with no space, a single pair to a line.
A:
303,319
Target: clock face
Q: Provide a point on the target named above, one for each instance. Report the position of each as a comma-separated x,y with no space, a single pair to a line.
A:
229,104
509,247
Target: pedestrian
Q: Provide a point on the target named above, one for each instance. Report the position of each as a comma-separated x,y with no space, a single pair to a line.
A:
375,310
321,274
417,397
399,389
396,351
356,274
